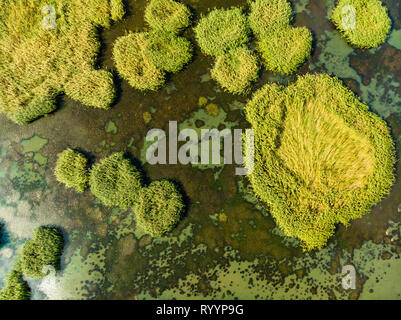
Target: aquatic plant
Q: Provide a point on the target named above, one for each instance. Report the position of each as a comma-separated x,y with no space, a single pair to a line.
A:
143,58
115,181
159,208
224,35
236,69
321,158
282,47
364,23
44,250
167,15
16,287
72,170
44,53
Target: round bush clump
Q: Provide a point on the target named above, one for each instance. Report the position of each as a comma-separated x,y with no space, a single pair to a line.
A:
222,30
72,170
167,15
16,287
269,16
45,249
159,208
285,51
168,51
236,70
133,65
364,23
115,181
321,158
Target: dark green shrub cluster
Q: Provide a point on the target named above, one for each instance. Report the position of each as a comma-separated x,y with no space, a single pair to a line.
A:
45,249
115,181
16,287
364,23
144,58
159,208
282,47
224,34
321,158
72,170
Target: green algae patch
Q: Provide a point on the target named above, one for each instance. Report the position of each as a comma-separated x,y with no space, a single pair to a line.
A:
111,127
283,47
16,287
51,49
115,181
159,208
321,158
364,23
33,144
72,170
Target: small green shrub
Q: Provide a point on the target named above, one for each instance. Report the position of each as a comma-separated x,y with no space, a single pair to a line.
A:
222,30
236,70
72,170
372,23
167,15
159,208
168,51
16,287
133,65
115,181
45,249
284,51
321,158
282,47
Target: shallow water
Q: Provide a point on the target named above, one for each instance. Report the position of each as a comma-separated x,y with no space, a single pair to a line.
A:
227,246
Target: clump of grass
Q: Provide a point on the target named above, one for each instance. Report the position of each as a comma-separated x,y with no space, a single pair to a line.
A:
115,181
321,158
235,70
167,15
370,27
168,51
224,35
283,47
143,58
37,64
159,208
16,287
45,249
72,170
222,30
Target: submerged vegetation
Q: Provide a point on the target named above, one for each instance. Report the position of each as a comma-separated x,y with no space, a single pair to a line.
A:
224,34
159,208
16,287
143,58
321,157
364,23
38,62
72,170
43,251
283,47
115,181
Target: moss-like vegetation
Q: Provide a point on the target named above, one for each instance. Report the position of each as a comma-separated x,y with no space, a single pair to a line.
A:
16,287
72,170
321,157
370,27
283,47
115,181
143,58
224,35
37,64
45,249
167,15
159,208
236,70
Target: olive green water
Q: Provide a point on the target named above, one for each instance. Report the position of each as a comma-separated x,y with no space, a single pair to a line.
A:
227,246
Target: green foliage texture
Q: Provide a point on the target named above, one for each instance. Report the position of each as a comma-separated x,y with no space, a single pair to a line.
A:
16,287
